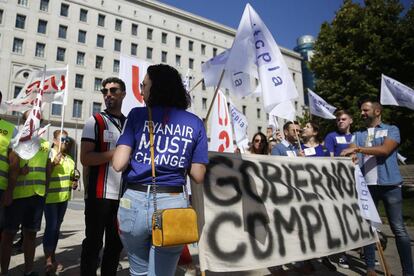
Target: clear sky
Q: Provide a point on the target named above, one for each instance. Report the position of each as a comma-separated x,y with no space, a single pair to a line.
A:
286,19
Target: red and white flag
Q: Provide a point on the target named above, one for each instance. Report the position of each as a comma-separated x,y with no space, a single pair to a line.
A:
221,138
132,71
54,88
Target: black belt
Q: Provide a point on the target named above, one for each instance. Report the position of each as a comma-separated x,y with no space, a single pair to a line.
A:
160,189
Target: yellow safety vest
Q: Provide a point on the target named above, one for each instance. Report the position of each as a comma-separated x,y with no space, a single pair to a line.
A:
60,185
6,133
33,183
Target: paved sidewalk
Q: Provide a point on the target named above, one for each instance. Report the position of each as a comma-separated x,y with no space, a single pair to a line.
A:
69,249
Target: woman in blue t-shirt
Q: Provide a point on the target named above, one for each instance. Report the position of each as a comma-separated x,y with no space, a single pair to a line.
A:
180,145
311,146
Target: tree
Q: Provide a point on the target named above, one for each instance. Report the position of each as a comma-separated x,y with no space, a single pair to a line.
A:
361,43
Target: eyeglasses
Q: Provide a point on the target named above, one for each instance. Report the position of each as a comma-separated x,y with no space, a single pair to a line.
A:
113,90
258,141
64,139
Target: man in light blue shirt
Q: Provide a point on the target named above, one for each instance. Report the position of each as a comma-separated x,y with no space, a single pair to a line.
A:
376,149
288,146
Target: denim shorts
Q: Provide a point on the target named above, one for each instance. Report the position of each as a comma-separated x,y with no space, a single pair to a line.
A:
27,212
135,227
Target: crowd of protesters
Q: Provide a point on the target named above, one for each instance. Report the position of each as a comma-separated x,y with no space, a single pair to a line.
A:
110,155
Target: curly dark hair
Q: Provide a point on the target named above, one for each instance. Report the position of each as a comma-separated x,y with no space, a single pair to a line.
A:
167,89
264,146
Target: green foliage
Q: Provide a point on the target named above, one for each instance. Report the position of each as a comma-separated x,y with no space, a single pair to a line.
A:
351,53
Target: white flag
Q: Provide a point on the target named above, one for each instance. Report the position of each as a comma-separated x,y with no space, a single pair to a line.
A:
272,122
240,128
284,110
319,107
27,141
238,82
366,204
396,93
132,71
54,89
221,138
254,44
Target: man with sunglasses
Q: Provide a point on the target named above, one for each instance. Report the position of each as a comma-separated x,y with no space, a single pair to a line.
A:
103,187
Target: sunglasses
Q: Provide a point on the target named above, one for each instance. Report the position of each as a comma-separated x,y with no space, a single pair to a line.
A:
258,141
64,139
141,85
113,90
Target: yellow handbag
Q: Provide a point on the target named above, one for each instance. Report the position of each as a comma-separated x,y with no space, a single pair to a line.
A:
174,226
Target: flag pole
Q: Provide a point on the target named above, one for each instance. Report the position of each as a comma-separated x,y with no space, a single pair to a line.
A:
195,85
384,264
297,138
214,97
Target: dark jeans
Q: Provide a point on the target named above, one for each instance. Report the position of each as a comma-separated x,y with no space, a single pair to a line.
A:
392,199
54,213
100,218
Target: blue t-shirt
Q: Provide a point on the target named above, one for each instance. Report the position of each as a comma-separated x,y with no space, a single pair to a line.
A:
318,151
179,140
336,142
285,148
387,166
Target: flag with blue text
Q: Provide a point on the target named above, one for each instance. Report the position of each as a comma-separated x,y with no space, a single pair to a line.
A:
319,107
396,93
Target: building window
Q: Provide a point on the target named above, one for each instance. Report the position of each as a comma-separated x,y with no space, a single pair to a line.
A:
100,41
20,21
134,48
18,45
40,50
117,45
244,109
81,36
17,90
134,29
164,56
259,129
164,38
60,54
77,109
1,16
22,2
80,58
115,67
44,5
204,103
83,15
78,81
257,99
64,10
63,30
149,53
190,45
101,20
258,113
42,26
203,49
296,105
227,92
203,85
56,109
96,108
118,25
177,41
97,84
191,63
178,60
214,52
99,62
149,33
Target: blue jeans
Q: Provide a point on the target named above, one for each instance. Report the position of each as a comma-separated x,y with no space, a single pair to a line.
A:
135,227
54,213
392,199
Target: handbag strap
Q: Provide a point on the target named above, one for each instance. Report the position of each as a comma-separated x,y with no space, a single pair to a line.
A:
154,187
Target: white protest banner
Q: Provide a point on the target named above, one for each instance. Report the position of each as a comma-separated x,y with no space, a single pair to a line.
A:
132,71
319,107
366,204
284,110
240,127
254,44
54,89
221,138
308,208
27,141
237,81
396,93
